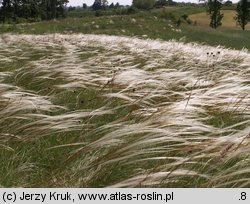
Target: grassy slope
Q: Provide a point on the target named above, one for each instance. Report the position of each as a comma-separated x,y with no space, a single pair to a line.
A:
154,24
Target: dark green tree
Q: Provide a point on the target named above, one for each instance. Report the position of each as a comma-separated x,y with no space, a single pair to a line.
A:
97,5
112,6
84,6
61,5
6,10
16,8
51,9
214,8
143,4
242,13
117,5
28,9
32,9
100,4
160,3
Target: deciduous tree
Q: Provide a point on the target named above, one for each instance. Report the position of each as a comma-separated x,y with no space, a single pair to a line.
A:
214,10
143,4
44,9
99,4
243,13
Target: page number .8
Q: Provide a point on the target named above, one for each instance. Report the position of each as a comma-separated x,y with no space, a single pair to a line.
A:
243,196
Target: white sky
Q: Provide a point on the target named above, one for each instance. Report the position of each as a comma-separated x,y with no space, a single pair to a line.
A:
122,2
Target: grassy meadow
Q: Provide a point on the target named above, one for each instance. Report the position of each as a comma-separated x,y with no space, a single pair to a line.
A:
124,101
154,24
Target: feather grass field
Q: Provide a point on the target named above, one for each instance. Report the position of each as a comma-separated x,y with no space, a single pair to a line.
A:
106,111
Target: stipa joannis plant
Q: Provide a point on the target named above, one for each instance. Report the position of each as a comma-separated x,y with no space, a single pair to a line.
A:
95,111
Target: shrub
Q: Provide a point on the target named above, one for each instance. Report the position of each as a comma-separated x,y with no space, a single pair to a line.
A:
132,10
143,4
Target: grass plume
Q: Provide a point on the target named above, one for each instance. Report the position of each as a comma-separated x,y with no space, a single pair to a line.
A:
97,111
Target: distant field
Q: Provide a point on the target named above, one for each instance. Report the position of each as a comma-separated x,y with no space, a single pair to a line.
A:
228,21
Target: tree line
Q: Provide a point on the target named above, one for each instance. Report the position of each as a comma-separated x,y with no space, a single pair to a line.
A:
13,10
214,10
36,10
